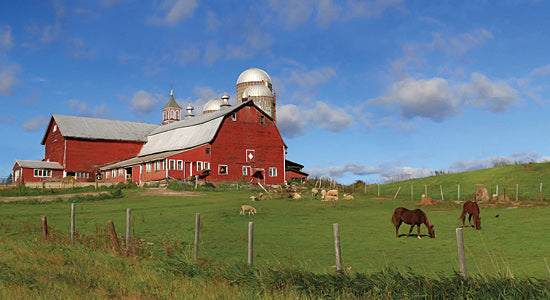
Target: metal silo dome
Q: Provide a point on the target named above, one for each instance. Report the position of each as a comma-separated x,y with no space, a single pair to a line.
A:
258,90
212,105
253,75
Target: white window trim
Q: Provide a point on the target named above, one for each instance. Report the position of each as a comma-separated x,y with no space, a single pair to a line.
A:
220,168
272,172
247,170
206,165
172,164
253,156
42,173
199,166
179,165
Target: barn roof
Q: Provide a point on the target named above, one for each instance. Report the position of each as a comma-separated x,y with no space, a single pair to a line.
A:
138,160
38,164
100,129
187,133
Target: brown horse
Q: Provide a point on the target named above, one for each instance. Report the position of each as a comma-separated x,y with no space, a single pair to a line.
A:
412,217
472,209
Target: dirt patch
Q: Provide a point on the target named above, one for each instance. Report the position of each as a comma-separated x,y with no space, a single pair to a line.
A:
46,197
169,193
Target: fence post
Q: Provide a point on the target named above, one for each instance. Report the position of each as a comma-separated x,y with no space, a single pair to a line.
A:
337,251
45,227
497,190
72,223
517,190
128,224
461,255
397,193
441,189
250,243
458,192
197,230
379,190
114,236
540,192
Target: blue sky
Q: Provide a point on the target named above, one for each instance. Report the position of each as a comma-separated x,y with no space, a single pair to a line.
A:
365,89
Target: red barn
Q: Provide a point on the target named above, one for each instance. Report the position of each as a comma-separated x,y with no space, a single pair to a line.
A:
225,143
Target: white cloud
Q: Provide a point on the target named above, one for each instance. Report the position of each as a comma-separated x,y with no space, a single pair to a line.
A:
212,22
253,41
311,79
174,11
432,99
187,55
460,44
8,78
35,124
212,53
293,121
81,109
461,165
6,39
144,102
495,97
325,12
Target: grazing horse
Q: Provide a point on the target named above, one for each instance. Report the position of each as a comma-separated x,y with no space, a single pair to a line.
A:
411,217
472,210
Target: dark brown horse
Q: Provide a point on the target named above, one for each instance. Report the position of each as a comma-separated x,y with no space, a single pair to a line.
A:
412,217
472,210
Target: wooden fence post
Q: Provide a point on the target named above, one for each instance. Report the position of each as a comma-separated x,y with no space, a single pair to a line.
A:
540,192
45,227
197,230
517,190
458,192
128,225
337,251
72,223
114,236
461,255
441,189
250,243
379,190
397,193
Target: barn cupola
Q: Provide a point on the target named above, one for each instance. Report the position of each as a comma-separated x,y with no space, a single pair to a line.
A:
171,112
190,113
225,100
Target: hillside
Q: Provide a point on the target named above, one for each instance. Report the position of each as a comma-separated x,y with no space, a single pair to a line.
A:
527,177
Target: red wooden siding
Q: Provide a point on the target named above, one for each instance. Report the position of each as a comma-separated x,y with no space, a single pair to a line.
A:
86,155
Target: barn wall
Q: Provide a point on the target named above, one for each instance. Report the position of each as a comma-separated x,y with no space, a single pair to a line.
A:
189,160
85,155
27,175
235,137
54,144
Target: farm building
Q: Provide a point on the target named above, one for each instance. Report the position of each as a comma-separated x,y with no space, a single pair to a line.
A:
225,143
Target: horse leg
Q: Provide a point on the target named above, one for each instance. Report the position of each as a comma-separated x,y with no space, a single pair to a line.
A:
410,230
463,218
470,221
397,229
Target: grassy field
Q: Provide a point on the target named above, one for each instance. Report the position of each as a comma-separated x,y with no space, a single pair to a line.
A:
299,233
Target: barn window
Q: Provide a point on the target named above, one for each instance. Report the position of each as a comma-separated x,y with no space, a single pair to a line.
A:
165,115
246,170
148,167
113,173
42,173
177,115
54,128
157,165
206,165
180,165
222,169
234,117
207,151
107,175
262,120
120,172
199,166
172,164
82,175
272,172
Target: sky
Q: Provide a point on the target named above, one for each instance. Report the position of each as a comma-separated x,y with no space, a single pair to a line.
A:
365,90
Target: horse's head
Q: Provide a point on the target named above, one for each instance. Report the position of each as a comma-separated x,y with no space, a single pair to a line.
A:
431,231
478,223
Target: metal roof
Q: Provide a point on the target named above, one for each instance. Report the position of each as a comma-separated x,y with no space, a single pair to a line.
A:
138,160
102,129
172,103
187,133
257,90
38,164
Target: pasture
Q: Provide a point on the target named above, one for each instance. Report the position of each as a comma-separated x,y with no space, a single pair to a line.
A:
298,233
